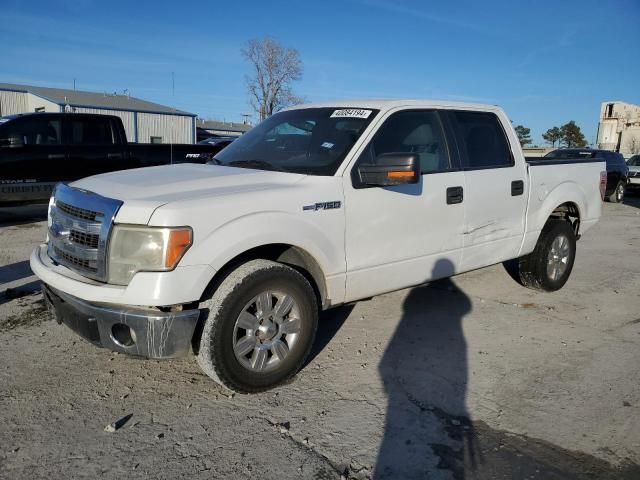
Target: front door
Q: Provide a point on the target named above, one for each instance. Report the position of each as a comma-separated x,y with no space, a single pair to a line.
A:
31,157
404,235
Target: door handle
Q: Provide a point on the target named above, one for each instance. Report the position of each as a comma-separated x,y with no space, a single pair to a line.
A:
517,188
454,195
55,156
114,155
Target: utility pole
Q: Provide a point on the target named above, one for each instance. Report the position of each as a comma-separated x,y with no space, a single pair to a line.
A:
173,85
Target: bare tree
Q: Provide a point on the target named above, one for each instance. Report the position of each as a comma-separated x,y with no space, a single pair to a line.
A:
633,144
275,68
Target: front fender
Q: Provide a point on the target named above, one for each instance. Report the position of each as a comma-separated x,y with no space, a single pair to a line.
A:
323,240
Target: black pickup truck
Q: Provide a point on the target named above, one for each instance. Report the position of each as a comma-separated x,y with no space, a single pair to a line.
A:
38,150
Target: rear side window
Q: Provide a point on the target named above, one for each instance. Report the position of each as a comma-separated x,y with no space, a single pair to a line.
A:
418,132
481,140
91,131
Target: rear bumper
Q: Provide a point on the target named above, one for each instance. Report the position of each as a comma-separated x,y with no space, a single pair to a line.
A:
135,331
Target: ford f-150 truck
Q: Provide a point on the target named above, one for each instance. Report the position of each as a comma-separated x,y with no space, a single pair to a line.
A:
317,206
37,150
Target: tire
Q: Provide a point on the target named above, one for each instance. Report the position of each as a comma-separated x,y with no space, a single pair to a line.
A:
618,194
261,325
549,266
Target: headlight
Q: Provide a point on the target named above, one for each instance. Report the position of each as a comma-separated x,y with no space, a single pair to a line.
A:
52,202
134,249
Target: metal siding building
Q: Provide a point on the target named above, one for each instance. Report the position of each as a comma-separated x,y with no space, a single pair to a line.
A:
215,128
142,120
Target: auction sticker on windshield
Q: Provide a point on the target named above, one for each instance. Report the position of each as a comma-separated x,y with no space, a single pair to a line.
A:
351,113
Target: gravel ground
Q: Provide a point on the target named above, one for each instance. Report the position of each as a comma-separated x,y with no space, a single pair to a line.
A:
474,377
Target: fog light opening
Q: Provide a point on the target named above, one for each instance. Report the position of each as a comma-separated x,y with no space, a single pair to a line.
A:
122,335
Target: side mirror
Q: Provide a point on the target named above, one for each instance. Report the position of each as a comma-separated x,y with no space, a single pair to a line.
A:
391,169
12,142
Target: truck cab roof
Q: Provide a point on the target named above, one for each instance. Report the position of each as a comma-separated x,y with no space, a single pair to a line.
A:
47,114
389,103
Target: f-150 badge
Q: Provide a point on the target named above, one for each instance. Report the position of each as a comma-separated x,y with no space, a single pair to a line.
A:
322,206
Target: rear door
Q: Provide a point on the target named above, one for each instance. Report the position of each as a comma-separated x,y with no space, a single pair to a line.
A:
94,146
495,195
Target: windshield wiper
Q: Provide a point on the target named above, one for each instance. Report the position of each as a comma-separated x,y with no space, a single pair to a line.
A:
258,164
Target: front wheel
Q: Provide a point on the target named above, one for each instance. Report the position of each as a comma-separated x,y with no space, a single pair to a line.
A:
260,327
549,265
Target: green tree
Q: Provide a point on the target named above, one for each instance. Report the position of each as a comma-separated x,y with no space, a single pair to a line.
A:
552,136
524,134
572,137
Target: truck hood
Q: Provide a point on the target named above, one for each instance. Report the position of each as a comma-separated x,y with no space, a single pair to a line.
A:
143,190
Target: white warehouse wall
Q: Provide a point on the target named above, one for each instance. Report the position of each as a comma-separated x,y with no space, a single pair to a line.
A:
13,102
128,119
172,128
38,102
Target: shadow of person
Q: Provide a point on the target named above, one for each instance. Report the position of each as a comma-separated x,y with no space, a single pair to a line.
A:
424,370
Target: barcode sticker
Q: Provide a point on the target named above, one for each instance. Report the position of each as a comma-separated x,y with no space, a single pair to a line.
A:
351,113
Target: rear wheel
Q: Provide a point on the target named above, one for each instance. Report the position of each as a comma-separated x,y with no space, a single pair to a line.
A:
549,266
618,194
260,327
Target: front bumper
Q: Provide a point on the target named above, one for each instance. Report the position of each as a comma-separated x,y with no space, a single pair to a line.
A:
136,331
183,285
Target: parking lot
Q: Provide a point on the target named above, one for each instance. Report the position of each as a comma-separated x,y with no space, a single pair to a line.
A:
475,377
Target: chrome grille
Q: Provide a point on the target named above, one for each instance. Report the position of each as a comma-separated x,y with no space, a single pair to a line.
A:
77,212
87,239
75,261
79,227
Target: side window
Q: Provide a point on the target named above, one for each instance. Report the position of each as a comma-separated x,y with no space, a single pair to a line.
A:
91,131
418,132
48,131
481,140
35,131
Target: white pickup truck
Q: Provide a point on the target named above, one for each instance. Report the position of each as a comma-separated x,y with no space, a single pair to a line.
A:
317,206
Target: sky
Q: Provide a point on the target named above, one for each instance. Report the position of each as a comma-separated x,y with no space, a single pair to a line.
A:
544,62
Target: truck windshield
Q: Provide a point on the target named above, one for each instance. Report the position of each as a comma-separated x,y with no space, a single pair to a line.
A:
312,141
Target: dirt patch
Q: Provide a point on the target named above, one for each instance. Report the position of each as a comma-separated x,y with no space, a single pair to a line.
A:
30,317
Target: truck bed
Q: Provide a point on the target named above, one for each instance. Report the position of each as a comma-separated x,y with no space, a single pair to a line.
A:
569,181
